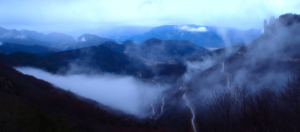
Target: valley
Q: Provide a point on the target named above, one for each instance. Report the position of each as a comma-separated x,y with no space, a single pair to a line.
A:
154,81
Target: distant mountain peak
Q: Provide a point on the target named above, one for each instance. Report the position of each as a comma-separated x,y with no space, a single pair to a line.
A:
283,21
153,40
289,19
205,36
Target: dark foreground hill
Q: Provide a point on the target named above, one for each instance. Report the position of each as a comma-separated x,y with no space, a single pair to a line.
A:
32,105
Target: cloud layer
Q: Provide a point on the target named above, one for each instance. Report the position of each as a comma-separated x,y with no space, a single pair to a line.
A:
119,92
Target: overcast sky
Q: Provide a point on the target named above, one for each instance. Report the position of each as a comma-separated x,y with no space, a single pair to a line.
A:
95,15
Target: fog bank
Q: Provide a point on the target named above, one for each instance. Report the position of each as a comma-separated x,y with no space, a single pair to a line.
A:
119,92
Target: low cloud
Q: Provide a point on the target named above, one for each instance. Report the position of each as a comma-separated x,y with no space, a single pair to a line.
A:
20,37
119,92
193,29
197,67
83,39
1,43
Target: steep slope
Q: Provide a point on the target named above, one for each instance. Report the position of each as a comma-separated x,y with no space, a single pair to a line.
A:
267,61
252,89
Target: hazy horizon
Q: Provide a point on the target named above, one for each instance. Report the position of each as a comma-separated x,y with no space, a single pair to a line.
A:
77,16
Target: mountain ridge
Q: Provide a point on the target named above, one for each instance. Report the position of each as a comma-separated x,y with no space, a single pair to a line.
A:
209,37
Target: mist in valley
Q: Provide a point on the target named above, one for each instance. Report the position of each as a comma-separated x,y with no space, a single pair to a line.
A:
151,65
124,93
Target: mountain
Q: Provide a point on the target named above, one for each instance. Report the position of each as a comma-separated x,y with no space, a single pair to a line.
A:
153,57
54,40
86,40
273,54
252,87
218,55
120,48
33,34
2,30
204,36
9,48
258,83
154,50
28,37
59,38
119,34
168,50
97,59
14,36
9,60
